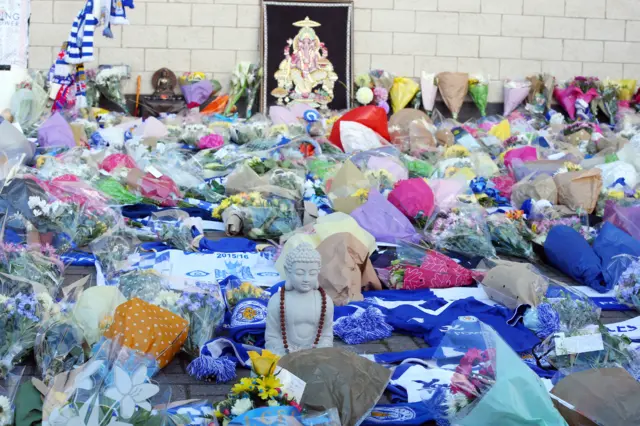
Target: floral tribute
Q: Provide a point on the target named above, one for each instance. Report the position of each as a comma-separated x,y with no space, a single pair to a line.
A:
474,376
628,288
263,390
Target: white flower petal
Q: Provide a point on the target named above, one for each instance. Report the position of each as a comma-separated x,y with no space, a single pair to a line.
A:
122,380
127,407
139,376
145,405
113,393
144,392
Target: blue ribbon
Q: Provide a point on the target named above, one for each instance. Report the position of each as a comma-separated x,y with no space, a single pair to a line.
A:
480,185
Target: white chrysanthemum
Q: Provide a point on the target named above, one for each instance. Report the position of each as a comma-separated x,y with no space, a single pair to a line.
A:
364,95
45,300
241,406
5,411
3,298
167,298
273,403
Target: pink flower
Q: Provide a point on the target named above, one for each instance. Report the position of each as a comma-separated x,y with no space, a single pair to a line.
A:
211,141
380,95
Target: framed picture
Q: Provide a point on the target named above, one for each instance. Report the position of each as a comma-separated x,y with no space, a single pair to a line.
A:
307,53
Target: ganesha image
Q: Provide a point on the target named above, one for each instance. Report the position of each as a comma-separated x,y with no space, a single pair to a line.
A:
305,75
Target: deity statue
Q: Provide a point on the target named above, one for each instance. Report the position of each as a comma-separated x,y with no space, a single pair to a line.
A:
305,75
300,315
164,82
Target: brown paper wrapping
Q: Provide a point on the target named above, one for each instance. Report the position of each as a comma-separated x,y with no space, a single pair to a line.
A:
537,86
410,125
606,396
579,189
445,137
549,86
513,284
245,179
345,183
337,378
453,87
233,221
346,268
79,134
542,187
616,144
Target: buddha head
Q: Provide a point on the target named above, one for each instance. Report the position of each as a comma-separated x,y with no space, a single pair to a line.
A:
302,266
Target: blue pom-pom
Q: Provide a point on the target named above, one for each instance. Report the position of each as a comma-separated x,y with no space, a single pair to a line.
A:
363,327
205,367
548,319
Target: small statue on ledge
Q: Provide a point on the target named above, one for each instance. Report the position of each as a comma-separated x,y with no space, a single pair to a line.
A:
164,82
300,315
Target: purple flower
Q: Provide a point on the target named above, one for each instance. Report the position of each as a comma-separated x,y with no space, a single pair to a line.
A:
380,95
384,106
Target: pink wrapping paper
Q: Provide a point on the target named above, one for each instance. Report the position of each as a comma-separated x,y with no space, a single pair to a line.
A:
413,197
525,153
437,271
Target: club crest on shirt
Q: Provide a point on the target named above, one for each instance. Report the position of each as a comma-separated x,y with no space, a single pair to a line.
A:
391,414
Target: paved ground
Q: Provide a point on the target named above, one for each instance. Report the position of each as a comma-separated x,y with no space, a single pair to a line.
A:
186,387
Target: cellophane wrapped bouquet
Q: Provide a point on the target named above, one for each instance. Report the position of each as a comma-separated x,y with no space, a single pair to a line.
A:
8,388
24,305
628,286
32,264
235,291
462,229
60,343
262,390
258,217
201,304
113,388
490,384
510,234
574,339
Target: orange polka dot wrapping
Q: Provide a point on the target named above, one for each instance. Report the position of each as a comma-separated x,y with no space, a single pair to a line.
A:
150,329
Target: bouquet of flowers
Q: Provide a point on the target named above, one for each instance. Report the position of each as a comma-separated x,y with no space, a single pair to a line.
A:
479,91
462,229
245,78
510,234
489,384
264,390
59,346
576,96
37,264
235,291
20,316
191,134
108,82
112,250
279,217
8,390
628,286
253,199
608,100
542,227
201,305
114,388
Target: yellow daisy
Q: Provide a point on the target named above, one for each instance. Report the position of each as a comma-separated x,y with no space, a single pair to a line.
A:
245,385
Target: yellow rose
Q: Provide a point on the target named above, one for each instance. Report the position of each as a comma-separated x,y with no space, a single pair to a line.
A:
263,364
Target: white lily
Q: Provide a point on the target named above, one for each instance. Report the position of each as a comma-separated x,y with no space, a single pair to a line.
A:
132,391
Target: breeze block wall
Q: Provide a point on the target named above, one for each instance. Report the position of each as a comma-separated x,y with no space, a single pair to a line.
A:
499,38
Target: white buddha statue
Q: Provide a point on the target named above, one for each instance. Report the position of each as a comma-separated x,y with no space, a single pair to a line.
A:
300,316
